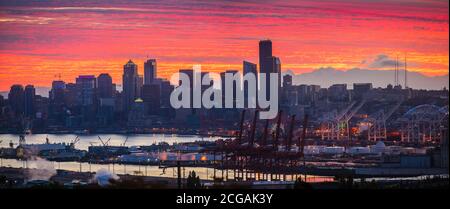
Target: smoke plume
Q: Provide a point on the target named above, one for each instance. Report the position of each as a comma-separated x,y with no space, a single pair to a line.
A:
44,169
103,177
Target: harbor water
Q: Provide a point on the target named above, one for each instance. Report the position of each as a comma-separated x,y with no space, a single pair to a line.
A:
116,139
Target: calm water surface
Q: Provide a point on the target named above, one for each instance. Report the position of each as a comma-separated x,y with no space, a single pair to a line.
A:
116,139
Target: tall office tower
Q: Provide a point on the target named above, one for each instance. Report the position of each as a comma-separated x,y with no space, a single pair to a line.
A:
268,63
265,56
30,93
249,67
70,94
58,98
151,95
130,82
190,74
149,71
276,67
57,92
166,90
104,86
140,83
86,85
287,97
16,99
86,97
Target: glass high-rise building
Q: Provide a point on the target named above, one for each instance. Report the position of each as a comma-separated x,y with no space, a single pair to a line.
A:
16,99
268,64
265,56
249,67
86,85
130,82
149,71
30,93
104,86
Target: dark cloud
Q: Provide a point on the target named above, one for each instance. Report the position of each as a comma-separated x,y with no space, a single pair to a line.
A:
383,61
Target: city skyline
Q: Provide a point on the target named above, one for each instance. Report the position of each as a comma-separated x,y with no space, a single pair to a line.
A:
205,33
269,95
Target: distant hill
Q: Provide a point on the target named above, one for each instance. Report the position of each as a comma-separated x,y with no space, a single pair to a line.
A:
325,77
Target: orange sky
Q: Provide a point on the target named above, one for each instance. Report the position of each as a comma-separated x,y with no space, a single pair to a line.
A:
41,40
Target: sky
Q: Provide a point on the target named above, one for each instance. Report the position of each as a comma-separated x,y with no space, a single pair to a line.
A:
41,41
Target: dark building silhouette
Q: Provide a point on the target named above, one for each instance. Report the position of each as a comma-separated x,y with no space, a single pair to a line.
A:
130,82
360,89
151,95
104,86
338,93
87,88
106,102
166,90
58,99
2,101
140,83
287,81
105,111
149,71
86,99
30,94
249,67
268,63
190,74
16,99
57,91
71,94
276,67
265,56
287,90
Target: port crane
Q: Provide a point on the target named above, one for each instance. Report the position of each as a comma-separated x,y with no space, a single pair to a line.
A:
345,132
268,154
104,143
376,129
74,141
331,126
125,142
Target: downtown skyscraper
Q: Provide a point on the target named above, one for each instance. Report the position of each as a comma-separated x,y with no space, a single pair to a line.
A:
131,87
268,64
249,67
149,71
105,86
29,97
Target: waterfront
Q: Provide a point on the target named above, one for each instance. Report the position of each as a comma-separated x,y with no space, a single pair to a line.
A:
85,141
116,139
204,173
